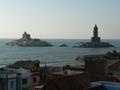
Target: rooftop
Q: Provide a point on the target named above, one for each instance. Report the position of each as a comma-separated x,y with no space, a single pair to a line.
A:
6,71
76,81
108,55
25,64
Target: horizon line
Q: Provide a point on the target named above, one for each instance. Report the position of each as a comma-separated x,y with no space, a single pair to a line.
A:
69,38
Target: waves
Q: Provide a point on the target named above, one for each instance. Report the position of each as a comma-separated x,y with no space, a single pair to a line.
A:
51,55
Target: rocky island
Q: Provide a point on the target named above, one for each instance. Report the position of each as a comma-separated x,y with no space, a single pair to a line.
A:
63,45
27,41
95,41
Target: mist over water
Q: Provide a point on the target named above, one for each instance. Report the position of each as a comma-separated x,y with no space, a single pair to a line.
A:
51,55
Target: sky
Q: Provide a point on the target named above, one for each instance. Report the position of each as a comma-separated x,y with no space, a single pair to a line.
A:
59,19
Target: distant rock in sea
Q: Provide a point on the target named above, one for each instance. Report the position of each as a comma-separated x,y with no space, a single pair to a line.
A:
95,41
63,45
27,41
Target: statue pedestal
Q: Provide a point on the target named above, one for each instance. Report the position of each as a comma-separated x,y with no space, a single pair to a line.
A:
95,39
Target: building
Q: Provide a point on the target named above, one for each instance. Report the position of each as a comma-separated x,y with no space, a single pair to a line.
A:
114,68
26,36
28,74
68,80
96,67
8,79
24,79
103,67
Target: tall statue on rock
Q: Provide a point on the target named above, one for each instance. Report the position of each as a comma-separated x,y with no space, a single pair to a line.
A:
95,31
95,38
95,41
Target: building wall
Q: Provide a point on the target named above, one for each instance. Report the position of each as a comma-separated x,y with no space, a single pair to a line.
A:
35,79
24,79
114,69
12,84
8,77
19,82
20,78
3,85
96,68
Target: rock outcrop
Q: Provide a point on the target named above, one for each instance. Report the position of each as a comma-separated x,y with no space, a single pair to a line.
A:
95,41
63,45
27,41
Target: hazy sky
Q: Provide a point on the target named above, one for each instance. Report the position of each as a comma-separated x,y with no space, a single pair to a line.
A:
59,18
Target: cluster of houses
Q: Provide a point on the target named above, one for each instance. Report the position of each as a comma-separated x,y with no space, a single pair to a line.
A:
97,71
28,75
22,75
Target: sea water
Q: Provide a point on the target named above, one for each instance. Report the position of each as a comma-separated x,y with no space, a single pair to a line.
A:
51,55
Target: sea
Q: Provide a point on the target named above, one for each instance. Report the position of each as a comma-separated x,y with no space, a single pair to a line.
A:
53,56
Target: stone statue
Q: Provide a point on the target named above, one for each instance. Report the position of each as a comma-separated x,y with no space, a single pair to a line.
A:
95,38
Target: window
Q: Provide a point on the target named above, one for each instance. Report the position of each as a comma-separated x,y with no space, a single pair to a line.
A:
11,84
24,81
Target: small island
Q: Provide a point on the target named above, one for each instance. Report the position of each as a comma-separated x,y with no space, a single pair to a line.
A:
63,45
27,41
95,41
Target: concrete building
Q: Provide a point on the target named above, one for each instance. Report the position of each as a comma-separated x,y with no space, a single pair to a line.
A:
103,67
114,68
28,74
8,79
96,67
68,80
24,79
